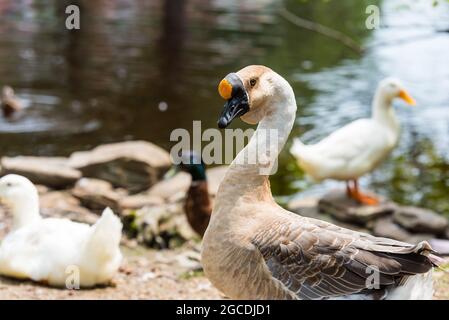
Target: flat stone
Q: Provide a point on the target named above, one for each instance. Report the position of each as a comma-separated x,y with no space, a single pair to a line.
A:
175,188
420,220
53,172
419,237
139,201
134,165
163,226
96,194
41,189
308,207
387,228
440,245
337,204
167,188
179,230
61,204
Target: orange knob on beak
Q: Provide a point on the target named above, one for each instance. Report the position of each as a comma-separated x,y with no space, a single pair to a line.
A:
231,89
225,89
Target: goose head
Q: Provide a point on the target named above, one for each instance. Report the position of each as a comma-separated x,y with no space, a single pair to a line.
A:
16,190
391,88
249,93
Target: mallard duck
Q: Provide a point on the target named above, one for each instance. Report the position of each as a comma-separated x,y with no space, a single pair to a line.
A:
9,103
255,249
357,148
48,250
197,205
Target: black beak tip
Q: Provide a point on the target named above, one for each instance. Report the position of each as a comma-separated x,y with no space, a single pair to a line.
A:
222,123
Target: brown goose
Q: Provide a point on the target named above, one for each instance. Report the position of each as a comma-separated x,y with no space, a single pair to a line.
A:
254,249
9,103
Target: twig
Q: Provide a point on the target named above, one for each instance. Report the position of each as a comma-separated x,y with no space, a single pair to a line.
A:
321,29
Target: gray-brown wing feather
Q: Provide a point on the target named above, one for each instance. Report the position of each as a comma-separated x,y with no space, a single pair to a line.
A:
317,260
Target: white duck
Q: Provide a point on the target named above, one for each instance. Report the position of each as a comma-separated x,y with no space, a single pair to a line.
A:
255,249
50,250
357,148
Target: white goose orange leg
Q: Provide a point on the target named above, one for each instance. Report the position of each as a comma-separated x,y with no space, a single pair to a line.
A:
360,197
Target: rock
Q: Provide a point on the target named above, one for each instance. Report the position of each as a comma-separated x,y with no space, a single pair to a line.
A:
419,237
61,204
308,207
337,204
167,188
179,229
387,228
50,171
160,226
96,194
420,220
440,245
134,165
175,188
41,189
177,197
139,201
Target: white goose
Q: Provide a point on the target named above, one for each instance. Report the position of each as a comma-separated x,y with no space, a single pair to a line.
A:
255,249
50,250
357,148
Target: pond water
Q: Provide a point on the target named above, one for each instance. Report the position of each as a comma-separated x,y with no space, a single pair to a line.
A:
139,69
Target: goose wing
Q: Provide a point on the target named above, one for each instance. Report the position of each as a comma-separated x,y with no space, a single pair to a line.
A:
316,260
361,140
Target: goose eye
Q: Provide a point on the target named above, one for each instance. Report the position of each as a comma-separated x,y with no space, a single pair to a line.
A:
252,82
9,184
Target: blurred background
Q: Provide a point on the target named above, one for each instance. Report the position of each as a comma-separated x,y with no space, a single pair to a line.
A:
139,69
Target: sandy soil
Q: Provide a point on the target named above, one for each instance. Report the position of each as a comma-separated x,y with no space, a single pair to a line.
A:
150,274
441,281
145,274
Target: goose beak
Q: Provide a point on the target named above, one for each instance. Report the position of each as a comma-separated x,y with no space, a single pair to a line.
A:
233,91
404,95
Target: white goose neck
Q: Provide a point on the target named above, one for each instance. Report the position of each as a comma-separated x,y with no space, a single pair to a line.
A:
383,112
25,211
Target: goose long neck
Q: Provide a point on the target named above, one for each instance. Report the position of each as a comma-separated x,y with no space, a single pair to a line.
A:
25,211
248,173
382,111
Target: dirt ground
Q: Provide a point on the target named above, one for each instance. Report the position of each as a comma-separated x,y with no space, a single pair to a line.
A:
145,274
151,274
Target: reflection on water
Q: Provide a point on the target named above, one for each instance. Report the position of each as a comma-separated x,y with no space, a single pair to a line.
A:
108,81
